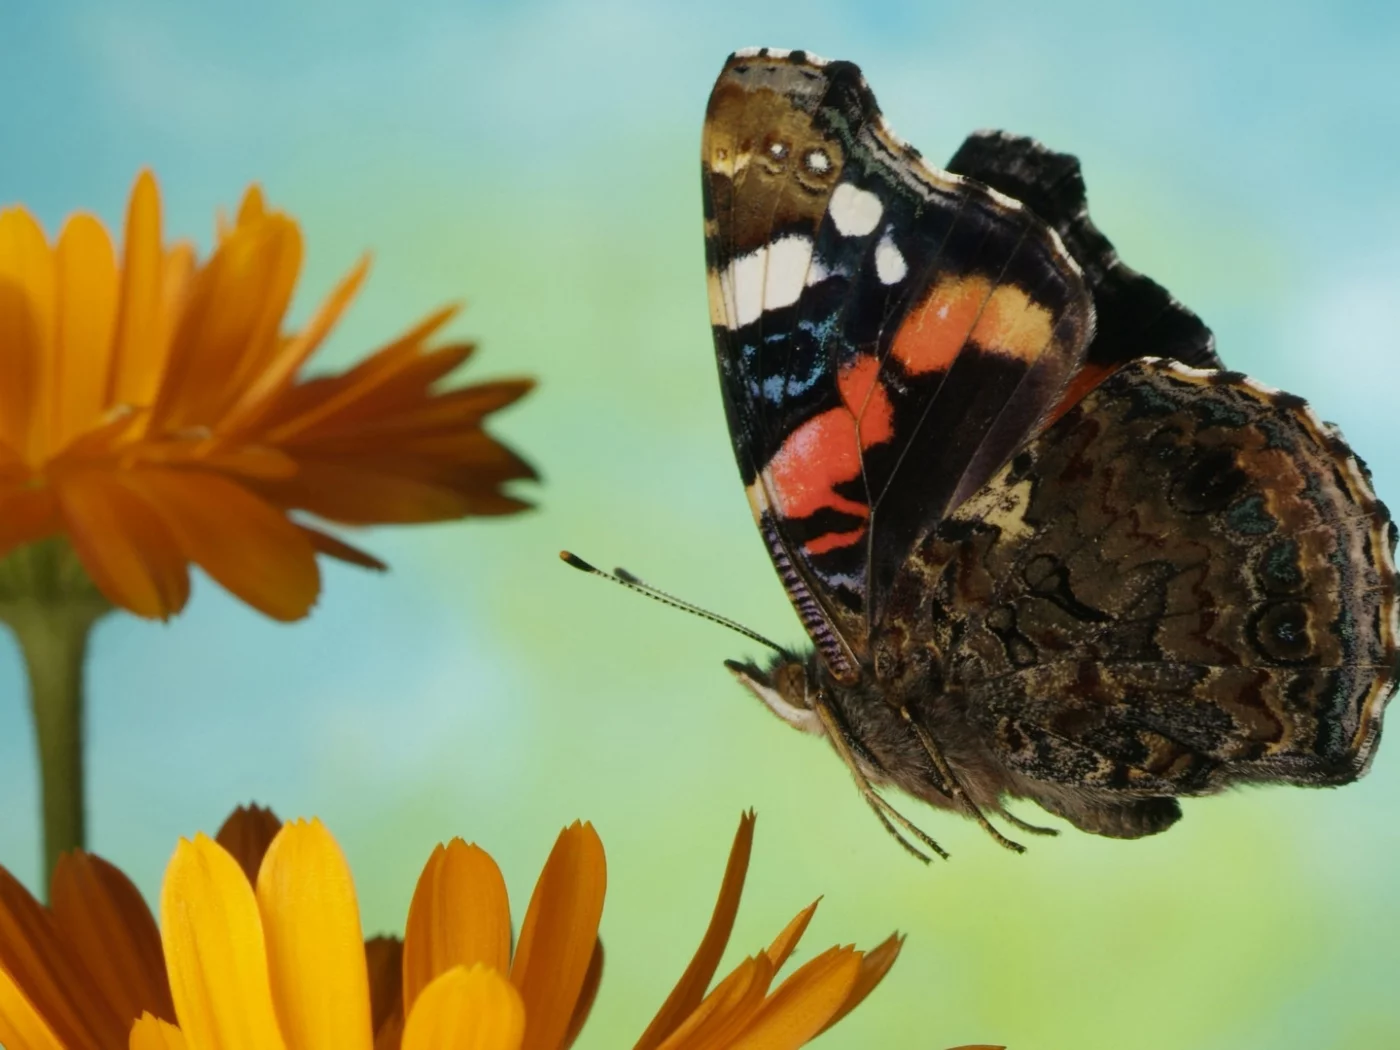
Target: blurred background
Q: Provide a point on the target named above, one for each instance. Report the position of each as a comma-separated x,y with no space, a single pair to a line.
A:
539,159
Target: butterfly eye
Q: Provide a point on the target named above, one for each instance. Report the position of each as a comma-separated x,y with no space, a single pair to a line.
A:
817,161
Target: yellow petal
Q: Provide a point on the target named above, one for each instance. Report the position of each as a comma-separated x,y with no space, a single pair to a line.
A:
39,962
586,996
215,952
76,382
460,916
111,929
315,950
247,833
150,1033
690,989
384,960
125,546
557,938
801,1005
465,1009
873,967
21,1027
246,545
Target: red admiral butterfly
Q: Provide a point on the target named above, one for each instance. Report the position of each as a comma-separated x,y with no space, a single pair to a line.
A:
1044,546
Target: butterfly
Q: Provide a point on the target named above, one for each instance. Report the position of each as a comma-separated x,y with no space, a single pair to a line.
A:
1044,546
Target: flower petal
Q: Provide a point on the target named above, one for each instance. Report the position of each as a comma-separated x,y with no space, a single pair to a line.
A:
586,996
873,967
105,919
801,1005
215,952
246,834
40,963
74,391
690,989
151,1033
21,1026
722,1014
460,916
783,945
463,1009
315,950
138,353
334,547
384,960
557,938
124,545
246,545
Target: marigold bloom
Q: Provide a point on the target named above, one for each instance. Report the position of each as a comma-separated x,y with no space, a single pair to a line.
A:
152,412
277,962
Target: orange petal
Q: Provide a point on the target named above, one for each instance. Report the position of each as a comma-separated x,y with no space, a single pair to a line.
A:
21,1025
150,1033
20,363
246,834
460,916
389,1035
39,962
873,967
215,952
283,367
690,989
354,494
591,981
243,543
786,941
76,381
334,547
384,961
112,930
465,1009
229,323
125,546
722,1014
138,352
27,515
801,1005
557,938
315,950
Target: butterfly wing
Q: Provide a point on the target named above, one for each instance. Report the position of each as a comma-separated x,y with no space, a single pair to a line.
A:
887,333
1135,316
1184,583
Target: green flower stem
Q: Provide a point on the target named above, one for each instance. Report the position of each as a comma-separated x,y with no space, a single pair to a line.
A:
51,606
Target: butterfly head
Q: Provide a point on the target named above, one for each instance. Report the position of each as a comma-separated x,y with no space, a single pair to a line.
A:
786,688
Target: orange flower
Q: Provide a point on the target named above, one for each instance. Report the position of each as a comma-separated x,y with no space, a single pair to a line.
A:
153,413
276,962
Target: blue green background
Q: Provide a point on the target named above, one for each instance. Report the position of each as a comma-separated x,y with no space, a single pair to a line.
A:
540,161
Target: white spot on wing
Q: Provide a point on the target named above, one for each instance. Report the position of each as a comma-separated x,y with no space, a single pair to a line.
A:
855,211
768,278
890,266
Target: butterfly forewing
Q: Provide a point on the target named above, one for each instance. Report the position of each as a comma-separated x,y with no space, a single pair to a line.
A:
887,333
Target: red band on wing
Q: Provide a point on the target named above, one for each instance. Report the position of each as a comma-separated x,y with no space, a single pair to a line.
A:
934,332
825,452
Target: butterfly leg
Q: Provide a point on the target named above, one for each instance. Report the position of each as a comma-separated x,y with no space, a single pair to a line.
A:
888,815
935,754
1032,829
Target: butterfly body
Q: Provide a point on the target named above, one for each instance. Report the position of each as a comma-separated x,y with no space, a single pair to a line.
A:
1044,546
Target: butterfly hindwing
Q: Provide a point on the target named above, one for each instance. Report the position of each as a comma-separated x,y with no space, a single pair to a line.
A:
1184,583
887,333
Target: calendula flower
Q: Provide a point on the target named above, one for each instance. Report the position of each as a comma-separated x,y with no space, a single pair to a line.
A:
277,961
153,415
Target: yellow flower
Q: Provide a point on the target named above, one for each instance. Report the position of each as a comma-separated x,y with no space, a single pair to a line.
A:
152,412
277,962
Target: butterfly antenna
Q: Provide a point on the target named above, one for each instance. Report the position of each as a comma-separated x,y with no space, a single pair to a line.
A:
632,583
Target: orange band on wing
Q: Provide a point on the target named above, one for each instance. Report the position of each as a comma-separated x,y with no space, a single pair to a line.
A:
934,331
